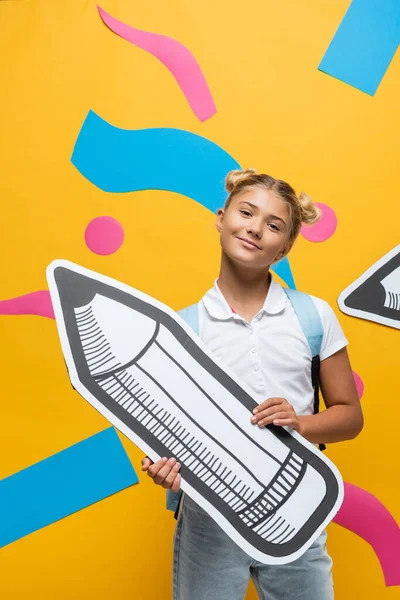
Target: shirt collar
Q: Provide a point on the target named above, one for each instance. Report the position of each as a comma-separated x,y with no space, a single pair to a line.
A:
218,308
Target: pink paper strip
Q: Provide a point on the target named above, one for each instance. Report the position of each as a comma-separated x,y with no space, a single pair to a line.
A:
363,514
176,57
35,303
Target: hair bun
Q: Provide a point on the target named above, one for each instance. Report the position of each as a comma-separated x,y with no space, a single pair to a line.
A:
238,176
310,213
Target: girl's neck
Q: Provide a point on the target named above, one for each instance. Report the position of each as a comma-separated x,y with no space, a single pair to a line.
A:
244,289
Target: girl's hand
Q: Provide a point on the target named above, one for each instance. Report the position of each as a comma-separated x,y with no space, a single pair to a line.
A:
164,472
277,411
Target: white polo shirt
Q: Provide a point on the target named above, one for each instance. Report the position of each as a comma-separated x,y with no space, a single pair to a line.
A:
270,354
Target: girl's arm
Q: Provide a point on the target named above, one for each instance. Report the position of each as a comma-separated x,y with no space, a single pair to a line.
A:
343,418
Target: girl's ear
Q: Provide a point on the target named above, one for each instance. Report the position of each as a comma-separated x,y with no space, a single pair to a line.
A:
220,218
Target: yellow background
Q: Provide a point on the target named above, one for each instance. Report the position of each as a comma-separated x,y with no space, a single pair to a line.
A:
276,112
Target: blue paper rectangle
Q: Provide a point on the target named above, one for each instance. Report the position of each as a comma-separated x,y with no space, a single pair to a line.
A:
364,44
63,484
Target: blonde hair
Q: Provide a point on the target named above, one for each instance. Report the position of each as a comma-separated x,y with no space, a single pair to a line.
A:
301,208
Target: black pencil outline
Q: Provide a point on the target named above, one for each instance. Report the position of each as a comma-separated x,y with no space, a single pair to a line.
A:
72,294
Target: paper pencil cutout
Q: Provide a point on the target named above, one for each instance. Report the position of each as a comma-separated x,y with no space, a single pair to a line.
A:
376,294
142,367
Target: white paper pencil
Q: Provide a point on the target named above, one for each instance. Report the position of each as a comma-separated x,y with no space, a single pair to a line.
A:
140,367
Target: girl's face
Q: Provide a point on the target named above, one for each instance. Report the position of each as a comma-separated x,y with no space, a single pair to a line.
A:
254,229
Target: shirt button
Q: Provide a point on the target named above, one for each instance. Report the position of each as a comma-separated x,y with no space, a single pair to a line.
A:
254,350
256,368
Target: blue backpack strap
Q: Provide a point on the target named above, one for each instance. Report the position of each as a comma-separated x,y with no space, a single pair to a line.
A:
309,319
311,324
190,314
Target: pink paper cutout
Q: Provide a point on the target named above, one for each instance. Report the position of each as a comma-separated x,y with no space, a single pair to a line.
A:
35,303
359,384
176,57
104,235
324,228
363,514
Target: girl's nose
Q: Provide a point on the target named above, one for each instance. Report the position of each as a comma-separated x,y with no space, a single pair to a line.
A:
255,230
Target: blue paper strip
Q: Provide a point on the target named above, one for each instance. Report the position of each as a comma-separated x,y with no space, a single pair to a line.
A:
124,160
63,484
364,44
283,270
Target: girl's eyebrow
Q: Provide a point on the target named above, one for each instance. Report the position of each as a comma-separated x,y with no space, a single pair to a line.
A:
249,203
275,217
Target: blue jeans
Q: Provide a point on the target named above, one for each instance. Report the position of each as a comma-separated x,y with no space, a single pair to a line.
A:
208,565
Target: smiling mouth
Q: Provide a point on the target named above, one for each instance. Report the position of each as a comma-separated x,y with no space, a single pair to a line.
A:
249,244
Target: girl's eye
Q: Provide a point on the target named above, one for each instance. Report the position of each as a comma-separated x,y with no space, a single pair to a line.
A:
275,227
246,213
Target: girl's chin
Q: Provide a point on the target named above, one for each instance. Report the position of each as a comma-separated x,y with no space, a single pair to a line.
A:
243,259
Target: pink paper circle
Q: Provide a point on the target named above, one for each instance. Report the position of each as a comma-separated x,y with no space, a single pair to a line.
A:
324,228
359,384
104,235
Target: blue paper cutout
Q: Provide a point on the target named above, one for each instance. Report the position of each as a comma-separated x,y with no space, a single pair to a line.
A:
364,44
123,160
63,484
283,270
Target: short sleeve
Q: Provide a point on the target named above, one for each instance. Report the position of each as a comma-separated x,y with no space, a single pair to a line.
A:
334,338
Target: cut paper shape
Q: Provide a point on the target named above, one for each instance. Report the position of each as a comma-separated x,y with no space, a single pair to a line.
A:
359,384
283,270
363,514
376,294
176,57
142,367
324,228
364,44
35,303
63,484
122,160
104,235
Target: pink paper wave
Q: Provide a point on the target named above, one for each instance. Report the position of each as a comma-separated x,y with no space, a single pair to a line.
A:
363,514
36,303
176,57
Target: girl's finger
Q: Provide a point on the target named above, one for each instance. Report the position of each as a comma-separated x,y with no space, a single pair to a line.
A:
268,403
170,478
273,418
155,467
146,462
165,470
270,412
176,486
